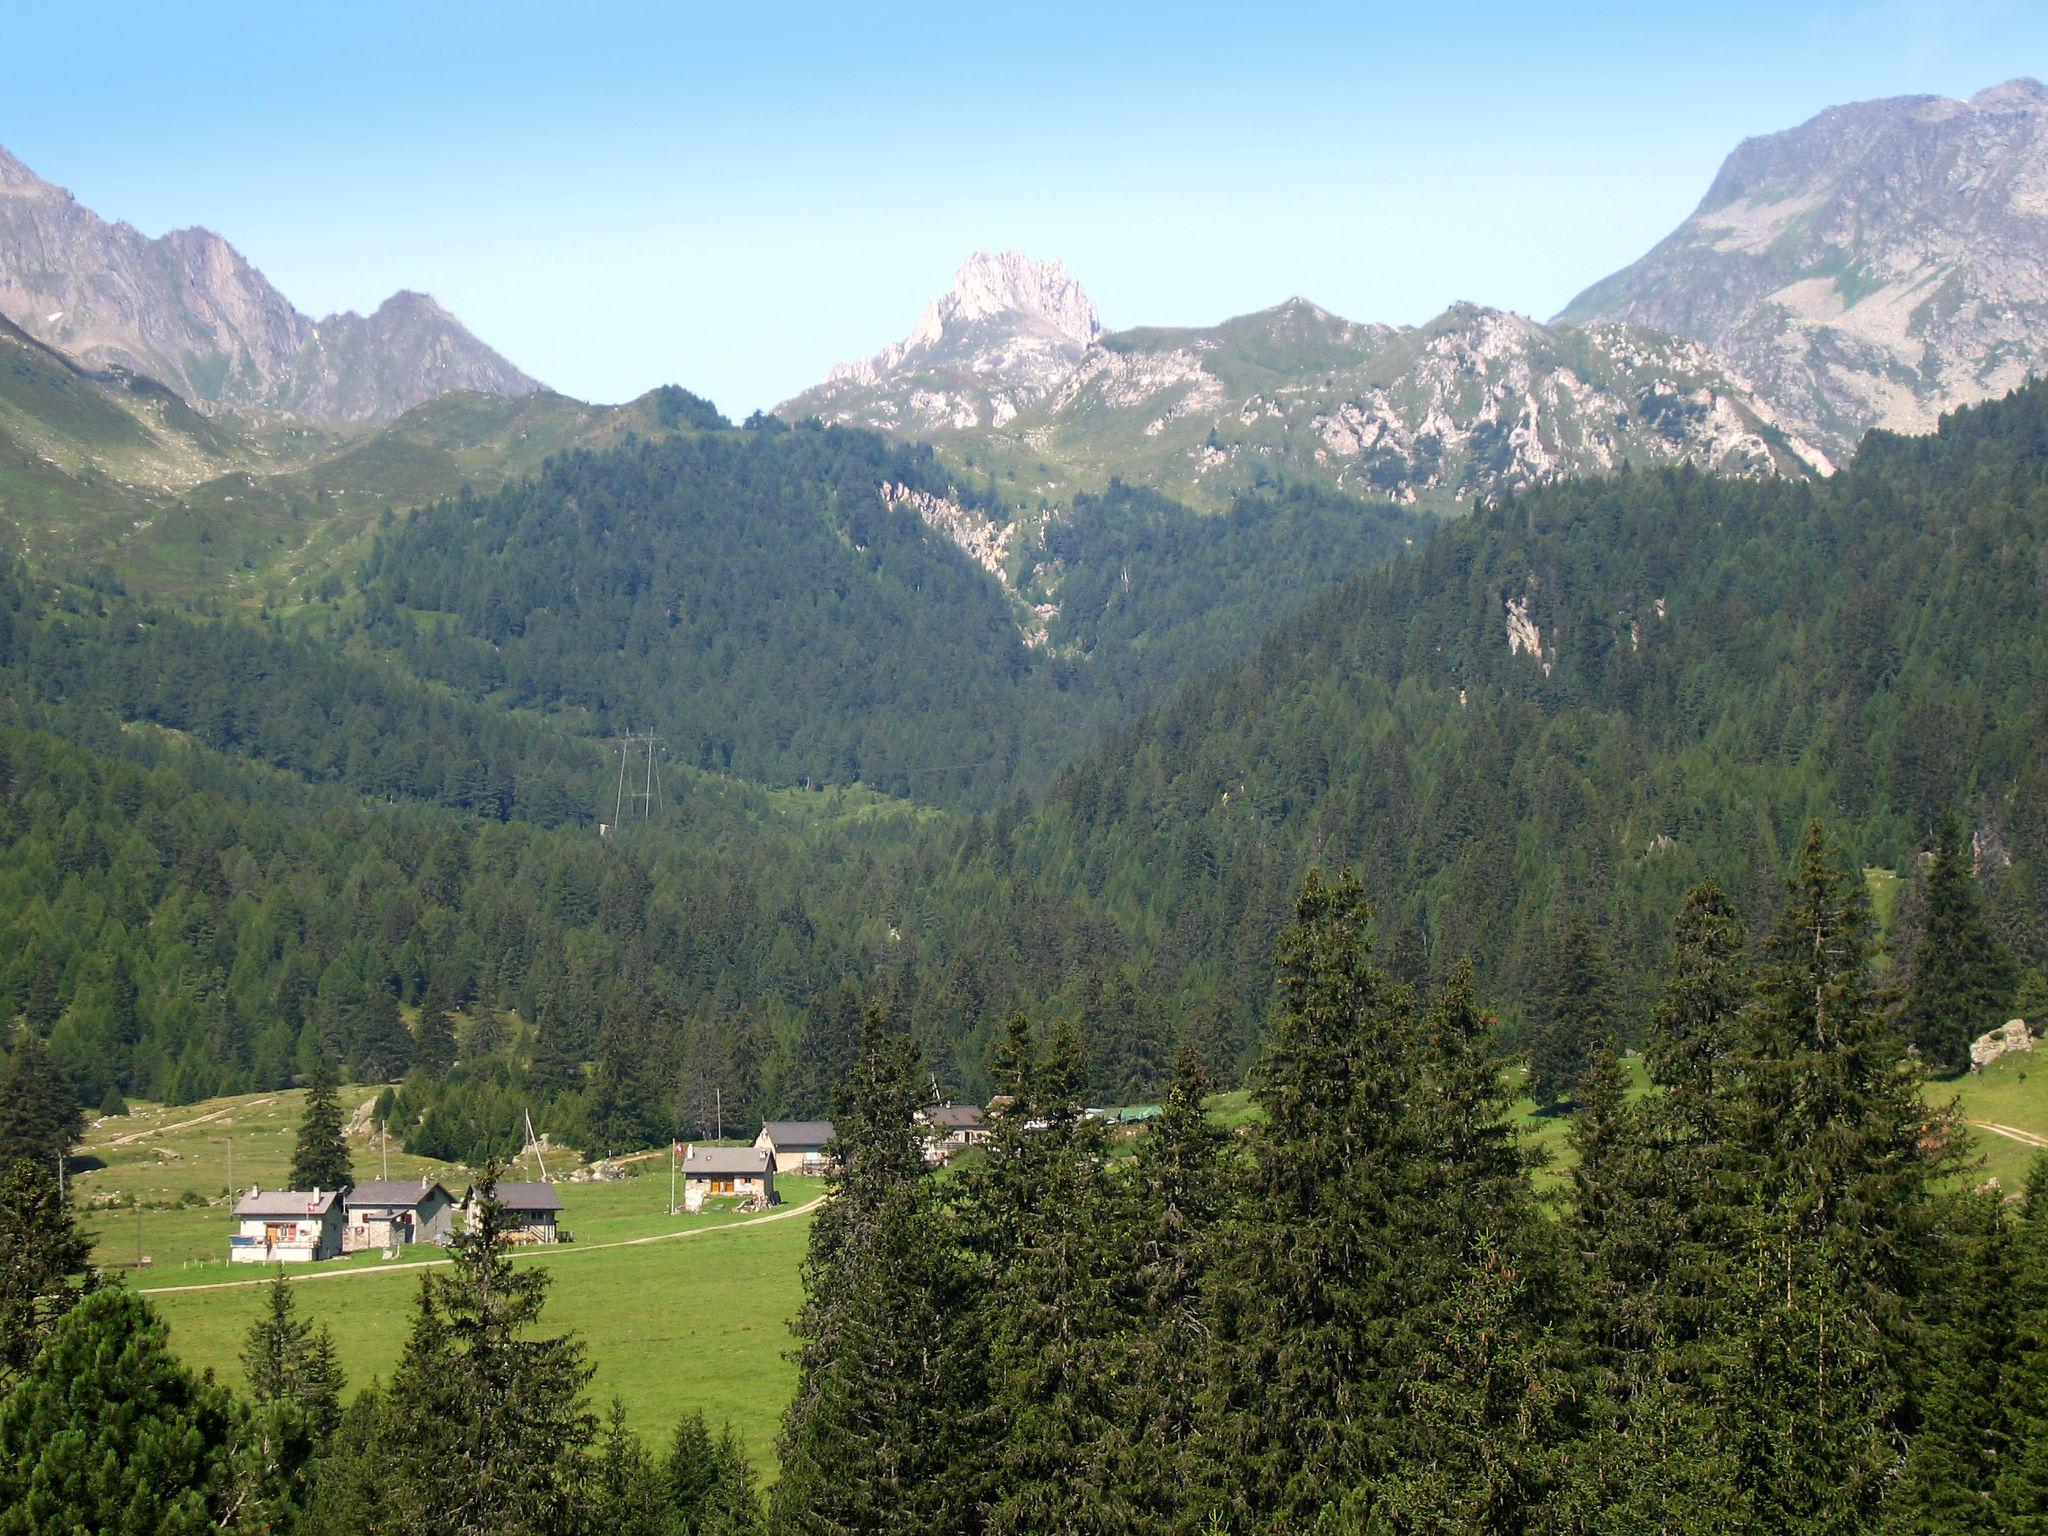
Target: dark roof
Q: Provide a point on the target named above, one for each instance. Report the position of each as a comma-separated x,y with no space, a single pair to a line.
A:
794,1135
524,1197
400,1192
955,1117
727,1160
286,1202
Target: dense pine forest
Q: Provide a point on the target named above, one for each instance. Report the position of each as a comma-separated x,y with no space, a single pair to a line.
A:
237,848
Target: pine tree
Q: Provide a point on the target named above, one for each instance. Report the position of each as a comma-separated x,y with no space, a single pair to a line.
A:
496,1412
1313,1291
286,1361
627,1494
1164,1219
320,1157
872,1439
433,1043
40,1117
1578,1014
1838,1150
45,1265
1964,1423
109,1433
2020,1491
1047,1316
1962,978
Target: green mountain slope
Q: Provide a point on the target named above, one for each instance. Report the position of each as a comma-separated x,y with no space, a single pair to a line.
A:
1584,699
826,607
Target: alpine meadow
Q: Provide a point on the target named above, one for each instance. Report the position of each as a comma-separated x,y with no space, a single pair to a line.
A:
1240,922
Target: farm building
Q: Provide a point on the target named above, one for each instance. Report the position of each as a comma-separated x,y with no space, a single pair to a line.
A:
748,1172
389,1213
533,1212
953,1128
286,1226
798,1146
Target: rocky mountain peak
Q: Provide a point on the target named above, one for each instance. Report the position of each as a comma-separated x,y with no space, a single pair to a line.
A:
1873,267
16,178
1003,336
1009,284
188,309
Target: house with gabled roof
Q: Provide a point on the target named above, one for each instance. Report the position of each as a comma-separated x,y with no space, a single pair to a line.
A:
533,1212
391,1213
745,1172
798,1146
286,1226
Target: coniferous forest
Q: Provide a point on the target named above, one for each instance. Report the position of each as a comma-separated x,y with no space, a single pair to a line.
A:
1597,770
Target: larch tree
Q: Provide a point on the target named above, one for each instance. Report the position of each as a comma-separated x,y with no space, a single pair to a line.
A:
320,1157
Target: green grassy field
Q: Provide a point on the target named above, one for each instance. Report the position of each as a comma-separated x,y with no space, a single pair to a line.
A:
699,1322
671,1323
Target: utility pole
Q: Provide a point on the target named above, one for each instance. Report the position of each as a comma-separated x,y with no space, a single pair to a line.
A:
718,1100
231,1170
671,1177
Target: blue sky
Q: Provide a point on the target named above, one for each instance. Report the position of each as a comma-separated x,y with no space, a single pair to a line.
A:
736,198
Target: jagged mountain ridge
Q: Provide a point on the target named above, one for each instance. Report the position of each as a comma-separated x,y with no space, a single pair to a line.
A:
1007,332
1873,267
1473,404
188,309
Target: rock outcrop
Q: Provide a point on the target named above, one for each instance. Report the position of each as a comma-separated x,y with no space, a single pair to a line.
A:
1007,332
1873,267
188,310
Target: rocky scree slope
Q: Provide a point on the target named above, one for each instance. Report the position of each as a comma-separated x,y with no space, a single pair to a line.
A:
189,309
1874,267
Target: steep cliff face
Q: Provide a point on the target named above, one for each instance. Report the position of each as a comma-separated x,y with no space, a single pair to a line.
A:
189,310
1876,266
1005,335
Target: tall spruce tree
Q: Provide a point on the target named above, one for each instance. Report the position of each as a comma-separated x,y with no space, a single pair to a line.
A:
320,1157
1839,1150
872,1440
1485,1393
40,1117
1578,1013
2020,1490
1962,977
1047,1311
497,1412
1314,1289
45,1265
286,1361
1162,1220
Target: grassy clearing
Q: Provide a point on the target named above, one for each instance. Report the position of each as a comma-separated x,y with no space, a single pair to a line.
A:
2011,1092
671,1325
697,1323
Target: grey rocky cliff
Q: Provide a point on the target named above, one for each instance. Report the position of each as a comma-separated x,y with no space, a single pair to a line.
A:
1873,267
190,311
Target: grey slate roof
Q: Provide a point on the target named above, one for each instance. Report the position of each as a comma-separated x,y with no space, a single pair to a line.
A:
405,1194
286,1202
702,1162
955,1117
798,1135
526,1198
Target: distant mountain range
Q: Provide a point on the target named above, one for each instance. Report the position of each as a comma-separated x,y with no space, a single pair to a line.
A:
189,310
1874,267
1473,404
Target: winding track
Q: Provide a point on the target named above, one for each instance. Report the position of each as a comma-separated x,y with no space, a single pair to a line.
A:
560,1251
